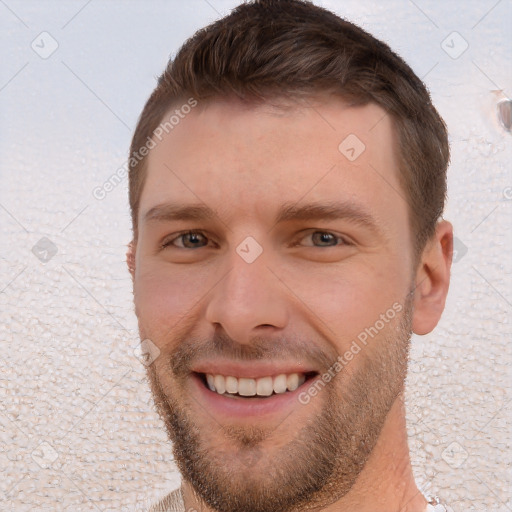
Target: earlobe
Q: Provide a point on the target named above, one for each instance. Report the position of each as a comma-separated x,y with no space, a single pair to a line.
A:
130,258
433,279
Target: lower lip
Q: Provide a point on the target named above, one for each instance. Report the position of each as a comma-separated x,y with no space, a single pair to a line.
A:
246,407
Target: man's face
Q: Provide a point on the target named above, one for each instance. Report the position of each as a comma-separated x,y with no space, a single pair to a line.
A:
267,287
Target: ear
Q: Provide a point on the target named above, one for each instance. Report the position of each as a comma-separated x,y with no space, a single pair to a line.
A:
433,279
130,258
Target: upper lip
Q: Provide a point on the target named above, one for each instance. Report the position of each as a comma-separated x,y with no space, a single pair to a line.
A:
254,370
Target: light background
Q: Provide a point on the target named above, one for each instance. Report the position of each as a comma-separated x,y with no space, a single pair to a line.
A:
78,431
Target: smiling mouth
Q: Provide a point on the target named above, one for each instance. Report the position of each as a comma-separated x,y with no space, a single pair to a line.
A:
265,387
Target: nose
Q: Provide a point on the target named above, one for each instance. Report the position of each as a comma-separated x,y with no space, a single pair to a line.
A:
248,299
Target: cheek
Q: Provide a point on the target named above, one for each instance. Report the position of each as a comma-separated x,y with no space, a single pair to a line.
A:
163,299
348,299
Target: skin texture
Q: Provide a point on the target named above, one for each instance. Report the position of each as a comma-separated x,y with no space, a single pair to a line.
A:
303,300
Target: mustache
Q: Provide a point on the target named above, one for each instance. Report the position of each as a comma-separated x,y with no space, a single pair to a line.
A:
289,349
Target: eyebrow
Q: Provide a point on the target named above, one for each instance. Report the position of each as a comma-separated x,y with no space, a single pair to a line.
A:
173,211
287,213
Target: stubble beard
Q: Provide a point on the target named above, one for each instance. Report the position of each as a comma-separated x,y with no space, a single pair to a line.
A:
321,461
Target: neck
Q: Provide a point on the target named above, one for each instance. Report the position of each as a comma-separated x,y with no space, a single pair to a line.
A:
386,483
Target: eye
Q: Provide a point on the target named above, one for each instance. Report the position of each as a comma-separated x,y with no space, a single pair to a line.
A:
190,240
197,240
325,239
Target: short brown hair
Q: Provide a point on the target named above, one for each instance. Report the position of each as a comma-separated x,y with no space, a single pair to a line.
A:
268,49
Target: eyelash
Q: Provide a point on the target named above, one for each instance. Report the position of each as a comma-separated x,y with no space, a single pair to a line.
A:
167,243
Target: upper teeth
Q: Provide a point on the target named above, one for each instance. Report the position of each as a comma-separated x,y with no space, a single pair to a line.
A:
251,387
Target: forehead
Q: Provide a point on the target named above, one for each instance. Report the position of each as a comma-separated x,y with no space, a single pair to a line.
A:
225,153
